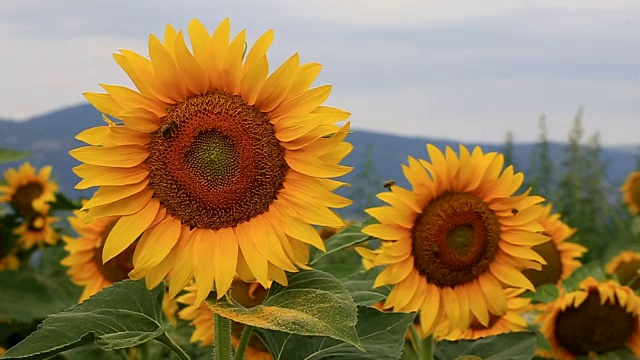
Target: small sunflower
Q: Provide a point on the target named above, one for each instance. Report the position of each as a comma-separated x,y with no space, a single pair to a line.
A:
85,255
246,294
235,164
561,255
626,267
36,230
631,192
510,322
9,262
8,259
453,243
27,191
598,318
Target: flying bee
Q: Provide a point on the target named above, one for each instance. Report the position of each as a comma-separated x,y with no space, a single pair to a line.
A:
388,184
168,128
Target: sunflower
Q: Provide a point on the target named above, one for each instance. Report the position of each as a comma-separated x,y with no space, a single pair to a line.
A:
560,255
457,239
8,259
85,255
597,318
219,167
36,229
9,262
510,322
246,294
27,191
631,192
626,267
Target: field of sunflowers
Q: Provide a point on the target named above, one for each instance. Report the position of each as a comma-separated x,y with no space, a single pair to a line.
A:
212,234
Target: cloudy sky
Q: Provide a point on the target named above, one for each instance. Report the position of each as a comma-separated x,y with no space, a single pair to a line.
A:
464,70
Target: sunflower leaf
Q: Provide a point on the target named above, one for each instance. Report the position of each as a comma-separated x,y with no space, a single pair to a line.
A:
120,316
7,155
545,293
381,335
513,346
314,303
361,289
572,283
348,237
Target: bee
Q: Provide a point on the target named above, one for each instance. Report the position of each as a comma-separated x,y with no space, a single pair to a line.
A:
388,184
514,211
168,129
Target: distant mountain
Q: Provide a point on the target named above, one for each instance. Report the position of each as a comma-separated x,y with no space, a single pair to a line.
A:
50,137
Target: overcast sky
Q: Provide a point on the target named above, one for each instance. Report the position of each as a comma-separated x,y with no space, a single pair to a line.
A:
464,70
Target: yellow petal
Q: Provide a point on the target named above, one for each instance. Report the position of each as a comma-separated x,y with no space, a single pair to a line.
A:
258,52
310,165
232,70
100,175
104,103
278,84
125,156
126,206
307,74
226,259
107,194
256,262
302,103
151,250
510,276
394,273
195,78
253,80
127,229
204,269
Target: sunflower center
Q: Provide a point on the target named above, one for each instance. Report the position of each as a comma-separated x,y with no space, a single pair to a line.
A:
627,273
594,327
216,162
25,195
455,239
552,271
118,268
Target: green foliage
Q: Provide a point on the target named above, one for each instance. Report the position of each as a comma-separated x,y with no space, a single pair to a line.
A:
545,293
381,335
507,151
512,346
121,316
314,303
28,296
593,269
360,287
7,155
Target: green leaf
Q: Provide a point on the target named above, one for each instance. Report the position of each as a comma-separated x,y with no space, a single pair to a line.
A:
381,334
619,354
346,238
26,296
545,293
360,287
7,155
64,203
591,269
512,346
122,315
314,303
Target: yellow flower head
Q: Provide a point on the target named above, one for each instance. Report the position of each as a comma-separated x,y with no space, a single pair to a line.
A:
631,192
457,239
509,322
626,267
85,255
246,294
37,230
28,192
220,167
597,318
8,259
561,255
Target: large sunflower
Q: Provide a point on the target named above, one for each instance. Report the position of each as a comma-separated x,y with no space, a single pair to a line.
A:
598,318
457,239
626,267
220,167
85,255
246,294
26,191
561,255
631,192
511,321
37,230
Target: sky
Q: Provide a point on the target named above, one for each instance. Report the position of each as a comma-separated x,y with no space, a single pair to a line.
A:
464,70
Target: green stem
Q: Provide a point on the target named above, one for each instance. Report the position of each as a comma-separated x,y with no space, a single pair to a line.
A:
244,341
166,341
222,338
427,348
415,339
